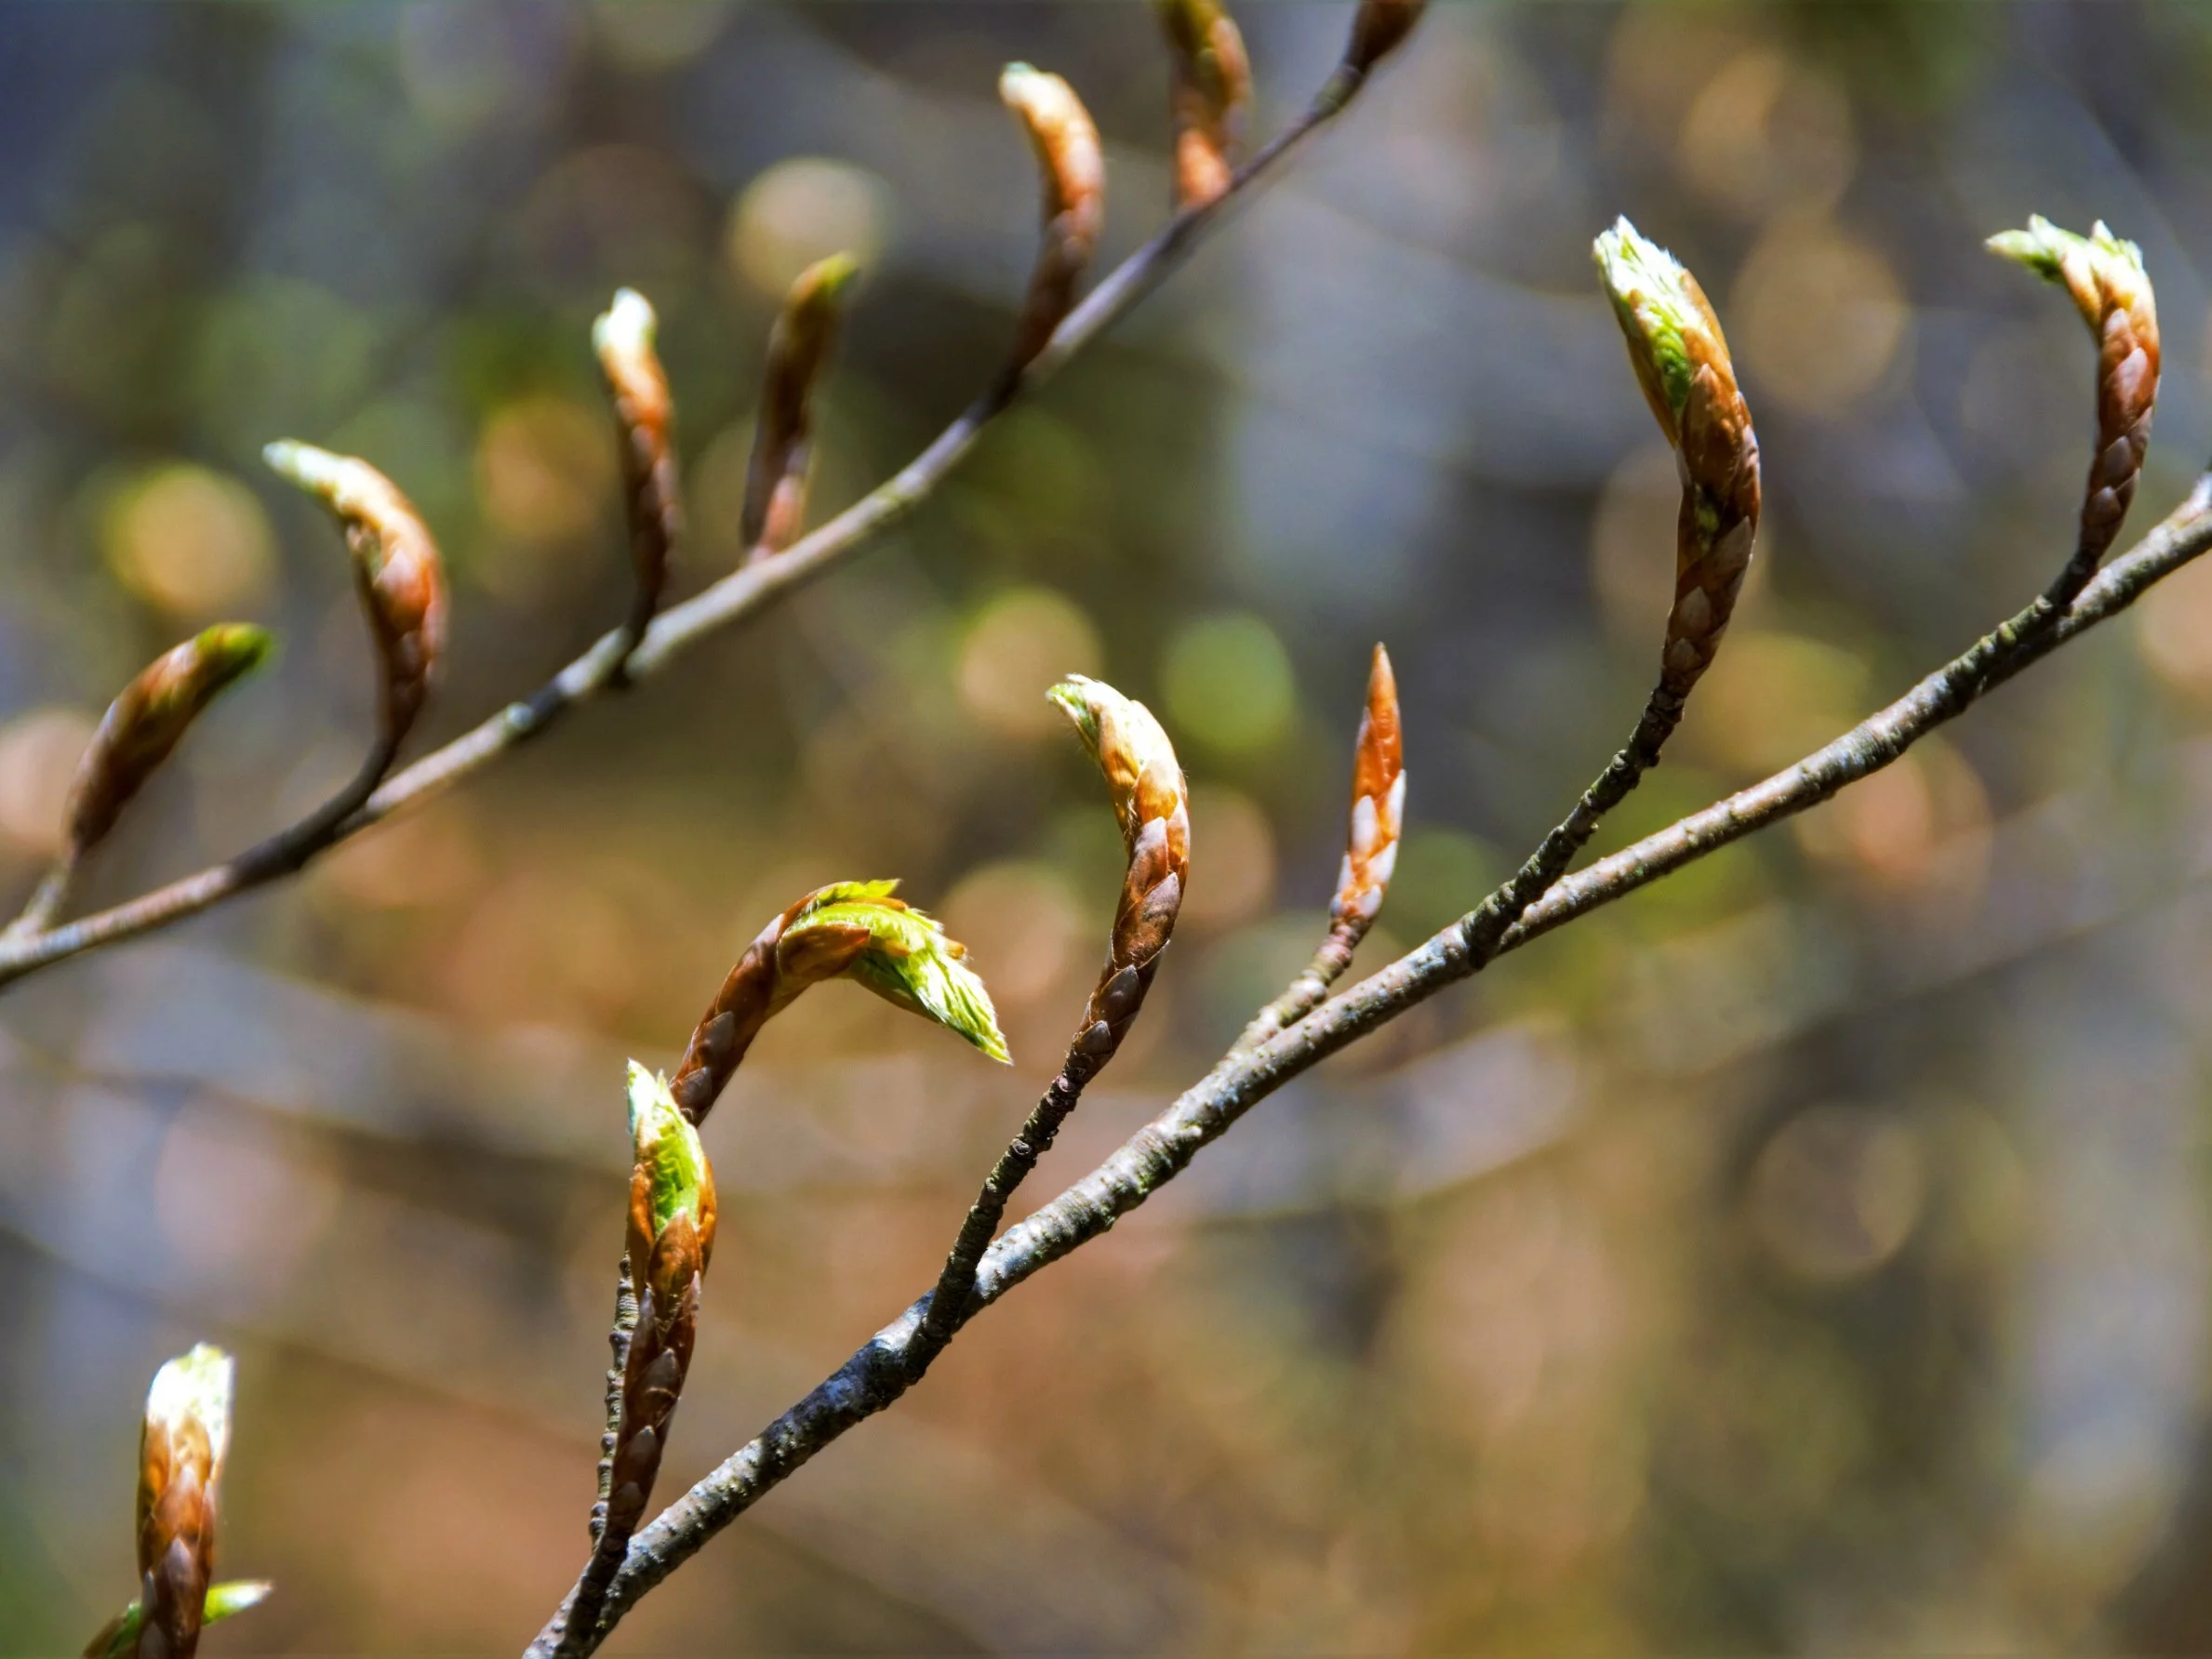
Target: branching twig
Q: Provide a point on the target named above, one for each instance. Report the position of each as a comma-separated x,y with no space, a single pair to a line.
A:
731,599
877,1374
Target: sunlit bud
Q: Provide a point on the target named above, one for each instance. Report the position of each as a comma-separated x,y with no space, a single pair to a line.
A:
396,570
776,477
148,720
849,930
1681,358
1150,803
645,422
2106,280
181,1447
1378,804
1074,170
1212,86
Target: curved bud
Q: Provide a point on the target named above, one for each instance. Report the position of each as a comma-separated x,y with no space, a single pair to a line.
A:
850,930
777,476
1681,358
1212,84
2106,280
181,1449
645,417
1379,28
1378,804
144,725
1150,802
396,570
670,1241
1074,169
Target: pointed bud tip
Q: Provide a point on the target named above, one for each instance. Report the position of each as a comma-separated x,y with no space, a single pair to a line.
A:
235,649
626,325
826,278
195,1387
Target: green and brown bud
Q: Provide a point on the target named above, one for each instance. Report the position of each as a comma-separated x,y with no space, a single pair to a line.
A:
396,570
1210,89
1074,170
645,424
181,1449
849,930
1681,358
1377,805
118,1639
670,1242
1379,28
2106,280
776,477
1152,804
144,725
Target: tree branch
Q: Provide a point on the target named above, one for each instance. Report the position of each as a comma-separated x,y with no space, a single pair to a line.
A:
877,1374
736,597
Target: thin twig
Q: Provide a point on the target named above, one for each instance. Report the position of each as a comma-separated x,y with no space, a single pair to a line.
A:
876,1375
735,597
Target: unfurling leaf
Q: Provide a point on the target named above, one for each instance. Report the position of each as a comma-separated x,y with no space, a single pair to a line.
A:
396,570
777,476
645,420
144,725
852,930
1681,358
1212,84
2109,287
1378,804
1074,170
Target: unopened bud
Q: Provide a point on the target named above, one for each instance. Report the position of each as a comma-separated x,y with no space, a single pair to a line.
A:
181,1449
144,725
1074,170
1211,86
645,422
1379,28
1378,804
2109,287
396,569
1681,358
776,477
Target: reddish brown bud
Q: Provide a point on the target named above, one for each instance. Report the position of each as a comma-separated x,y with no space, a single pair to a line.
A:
2106,280
396,569
645,424
1379,28
144,725
777,478
1210,88
186,1436
1378,804
1074,170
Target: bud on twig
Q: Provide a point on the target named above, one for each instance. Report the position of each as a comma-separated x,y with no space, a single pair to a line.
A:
396,571
150,719
1682,362
776,477
181,1447
670,1240
1379,28
1377,805
2106,279
1211,86
849,930
644,419
1074,174
1150,802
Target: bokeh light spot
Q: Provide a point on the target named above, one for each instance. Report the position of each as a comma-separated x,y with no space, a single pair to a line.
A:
1228,684
1836,1192
1817,316
190,541
805,209
38,757
1021,926
1237,878
1019,645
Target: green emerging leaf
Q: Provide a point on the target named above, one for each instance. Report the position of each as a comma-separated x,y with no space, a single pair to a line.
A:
667,1145
119,1640
908,960
1651,294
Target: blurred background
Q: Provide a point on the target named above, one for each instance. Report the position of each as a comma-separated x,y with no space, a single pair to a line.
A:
1809,1254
